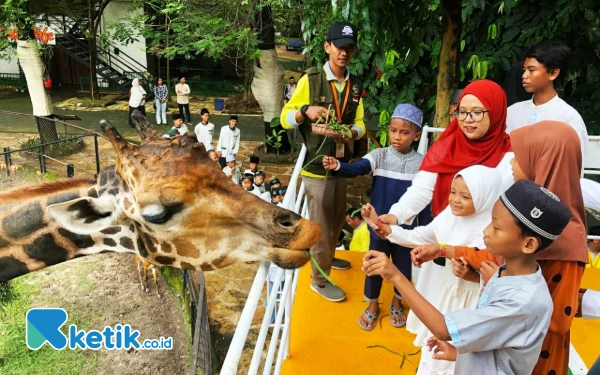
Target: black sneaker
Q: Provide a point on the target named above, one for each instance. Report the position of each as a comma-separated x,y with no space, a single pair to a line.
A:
340,264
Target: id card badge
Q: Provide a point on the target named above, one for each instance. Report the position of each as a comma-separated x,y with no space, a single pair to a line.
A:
339,150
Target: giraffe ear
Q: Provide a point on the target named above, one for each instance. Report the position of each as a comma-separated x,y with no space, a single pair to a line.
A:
85,215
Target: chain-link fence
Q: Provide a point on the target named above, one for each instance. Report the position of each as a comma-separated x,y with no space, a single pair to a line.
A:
201,347
38,145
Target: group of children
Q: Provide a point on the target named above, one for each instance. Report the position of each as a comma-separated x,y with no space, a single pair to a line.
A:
498,296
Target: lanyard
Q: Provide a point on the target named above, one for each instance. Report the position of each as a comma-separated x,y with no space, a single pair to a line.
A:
337,102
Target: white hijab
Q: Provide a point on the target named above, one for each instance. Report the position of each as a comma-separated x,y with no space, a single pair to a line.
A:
485,186
137,93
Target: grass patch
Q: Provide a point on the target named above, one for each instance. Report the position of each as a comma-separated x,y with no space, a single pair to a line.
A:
64,148
16,358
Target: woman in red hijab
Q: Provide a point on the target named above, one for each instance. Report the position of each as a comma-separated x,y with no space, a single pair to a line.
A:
477,135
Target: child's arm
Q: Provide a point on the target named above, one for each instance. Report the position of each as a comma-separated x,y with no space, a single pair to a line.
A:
474,256
341,169
499,323
377,263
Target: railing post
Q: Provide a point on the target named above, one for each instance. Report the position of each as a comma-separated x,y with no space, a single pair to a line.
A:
70,170
42,162
7,160
97,155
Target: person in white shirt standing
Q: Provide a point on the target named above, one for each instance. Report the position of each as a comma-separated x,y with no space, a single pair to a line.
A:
543,71
229,140
204,130
183,98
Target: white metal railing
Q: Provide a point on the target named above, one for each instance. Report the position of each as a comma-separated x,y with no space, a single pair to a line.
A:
424,141
279,347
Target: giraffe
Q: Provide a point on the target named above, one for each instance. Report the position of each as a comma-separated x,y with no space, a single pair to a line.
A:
164,200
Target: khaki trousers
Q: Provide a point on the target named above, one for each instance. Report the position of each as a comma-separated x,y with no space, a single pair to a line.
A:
326,199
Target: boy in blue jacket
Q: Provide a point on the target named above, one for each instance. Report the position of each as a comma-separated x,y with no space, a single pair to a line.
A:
393,170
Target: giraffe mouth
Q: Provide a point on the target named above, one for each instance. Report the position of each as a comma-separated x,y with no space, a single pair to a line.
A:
289,258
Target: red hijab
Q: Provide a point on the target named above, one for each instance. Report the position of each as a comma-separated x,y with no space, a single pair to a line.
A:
453,151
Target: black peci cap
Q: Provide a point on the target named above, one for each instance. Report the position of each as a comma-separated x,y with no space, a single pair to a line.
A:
342,33
233,117
537,208
254,159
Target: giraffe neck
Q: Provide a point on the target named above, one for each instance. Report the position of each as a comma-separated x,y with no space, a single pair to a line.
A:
30,240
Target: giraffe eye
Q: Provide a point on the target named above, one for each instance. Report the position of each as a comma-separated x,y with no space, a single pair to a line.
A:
163,216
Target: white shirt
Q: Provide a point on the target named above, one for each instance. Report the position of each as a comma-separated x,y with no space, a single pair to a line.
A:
229,141
591,193
235,175
590,305
266,196
254,191
419,195
204,133
527,113
137,96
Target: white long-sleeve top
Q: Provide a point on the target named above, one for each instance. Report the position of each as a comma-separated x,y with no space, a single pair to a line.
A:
229,141
526,113
419,195
183,93
234,174
204,133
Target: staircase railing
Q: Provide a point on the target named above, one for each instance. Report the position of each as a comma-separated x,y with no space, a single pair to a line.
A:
280,299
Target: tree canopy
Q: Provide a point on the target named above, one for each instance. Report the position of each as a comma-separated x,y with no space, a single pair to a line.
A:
400,43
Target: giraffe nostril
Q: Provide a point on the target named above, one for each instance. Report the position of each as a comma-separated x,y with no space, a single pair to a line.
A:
286,224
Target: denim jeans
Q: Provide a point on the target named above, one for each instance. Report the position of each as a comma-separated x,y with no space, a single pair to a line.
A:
161,112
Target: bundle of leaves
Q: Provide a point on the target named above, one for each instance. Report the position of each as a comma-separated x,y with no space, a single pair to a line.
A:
328,125
65,148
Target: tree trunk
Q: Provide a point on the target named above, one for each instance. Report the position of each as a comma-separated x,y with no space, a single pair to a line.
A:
93,52
33,69
449,61
267,84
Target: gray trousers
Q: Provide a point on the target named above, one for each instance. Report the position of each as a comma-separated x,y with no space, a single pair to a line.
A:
326,198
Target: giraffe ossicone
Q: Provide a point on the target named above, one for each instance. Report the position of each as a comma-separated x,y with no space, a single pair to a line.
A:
164,200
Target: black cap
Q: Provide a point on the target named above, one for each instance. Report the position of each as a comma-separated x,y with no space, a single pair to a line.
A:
203,111
342,33
248,176
233,117
177,116
274,181
259,173
537,208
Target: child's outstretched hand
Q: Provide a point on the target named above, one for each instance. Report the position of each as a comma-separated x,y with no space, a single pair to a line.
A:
487,270
441,349
377,263
461,268
425,253
329,162
380,227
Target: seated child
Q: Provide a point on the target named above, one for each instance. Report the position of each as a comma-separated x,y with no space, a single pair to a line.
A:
393,169
231,170
178,127
274,184
212,154
504,334
259,181
277,196
248,184
360,237
254,161
473,193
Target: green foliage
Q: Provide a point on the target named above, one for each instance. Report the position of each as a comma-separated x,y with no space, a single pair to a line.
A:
403,44
274,140
65,148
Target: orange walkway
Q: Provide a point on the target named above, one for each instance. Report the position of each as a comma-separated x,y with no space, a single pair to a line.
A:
326,338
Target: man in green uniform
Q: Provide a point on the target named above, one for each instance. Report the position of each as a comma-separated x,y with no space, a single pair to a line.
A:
331,86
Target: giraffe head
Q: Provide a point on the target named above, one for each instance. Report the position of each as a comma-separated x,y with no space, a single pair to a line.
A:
186,212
